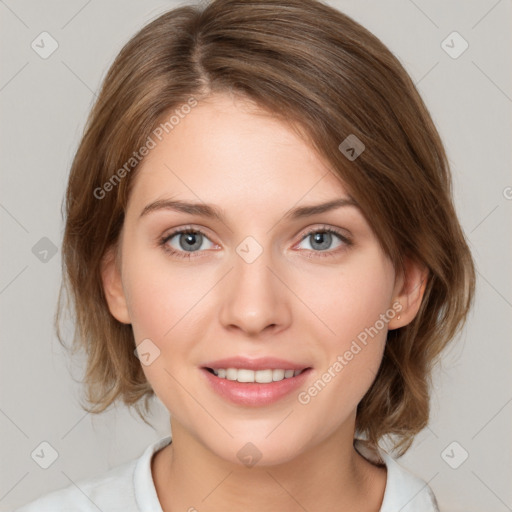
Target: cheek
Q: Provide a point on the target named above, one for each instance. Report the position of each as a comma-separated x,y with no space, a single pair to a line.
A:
349,301
162,298
165,306
352,309
159,306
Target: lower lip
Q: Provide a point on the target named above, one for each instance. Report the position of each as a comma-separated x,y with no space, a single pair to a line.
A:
253,393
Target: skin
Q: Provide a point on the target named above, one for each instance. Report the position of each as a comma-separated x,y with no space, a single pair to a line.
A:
291,303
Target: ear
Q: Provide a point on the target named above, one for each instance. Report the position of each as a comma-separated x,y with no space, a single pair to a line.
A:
113,286
409,289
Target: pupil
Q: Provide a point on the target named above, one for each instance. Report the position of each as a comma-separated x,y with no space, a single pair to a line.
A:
323,239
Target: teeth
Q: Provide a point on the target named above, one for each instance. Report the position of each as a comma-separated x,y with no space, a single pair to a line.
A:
260,376
278,375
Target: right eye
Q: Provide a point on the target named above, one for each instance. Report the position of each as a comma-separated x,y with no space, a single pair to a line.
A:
188,241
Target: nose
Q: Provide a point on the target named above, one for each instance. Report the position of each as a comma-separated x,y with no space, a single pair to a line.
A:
255,297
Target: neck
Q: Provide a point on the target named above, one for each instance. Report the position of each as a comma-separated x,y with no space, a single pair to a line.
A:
330,476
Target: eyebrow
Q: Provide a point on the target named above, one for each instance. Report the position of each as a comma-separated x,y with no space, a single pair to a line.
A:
213,212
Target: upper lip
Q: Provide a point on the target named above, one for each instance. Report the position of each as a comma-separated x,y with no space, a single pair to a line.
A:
260,363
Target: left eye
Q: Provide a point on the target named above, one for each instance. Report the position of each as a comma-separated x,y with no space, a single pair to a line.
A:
321,239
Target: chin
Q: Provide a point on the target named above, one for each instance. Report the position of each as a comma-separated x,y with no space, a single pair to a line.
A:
260,446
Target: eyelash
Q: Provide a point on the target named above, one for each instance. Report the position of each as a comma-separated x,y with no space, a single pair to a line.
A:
183,254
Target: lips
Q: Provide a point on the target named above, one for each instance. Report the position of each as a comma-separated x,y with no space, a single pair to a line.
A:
254,382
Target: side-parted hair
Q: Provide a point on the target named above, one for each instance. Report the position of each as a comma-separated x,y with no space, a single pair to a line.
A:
321,72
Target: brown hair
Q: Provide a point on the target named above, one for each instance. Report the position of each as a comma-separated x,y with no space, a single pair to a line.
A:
320,71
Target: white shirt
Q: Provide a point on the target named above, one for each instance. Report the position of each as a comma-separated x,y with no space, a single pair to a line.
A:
130,488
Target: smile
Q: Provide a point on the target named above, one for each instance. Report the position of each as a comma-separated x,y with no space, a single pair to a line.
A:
255,388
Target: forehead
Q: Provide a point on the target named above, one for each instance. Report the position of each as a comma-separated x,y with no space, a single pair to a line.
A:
227,151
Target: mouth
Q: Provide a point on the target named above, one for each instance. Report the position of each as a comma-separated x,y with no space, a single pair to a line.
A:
254,382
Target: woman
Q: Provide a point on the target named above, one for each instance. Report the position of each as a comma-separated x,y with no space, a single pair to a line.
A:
260,232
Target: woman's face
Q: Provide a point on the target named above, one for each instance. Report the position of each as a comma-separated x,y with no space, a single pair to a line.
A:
264,286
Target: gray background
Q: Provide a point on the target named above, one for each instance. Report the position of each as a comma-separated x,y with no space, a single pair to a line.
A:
44,103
